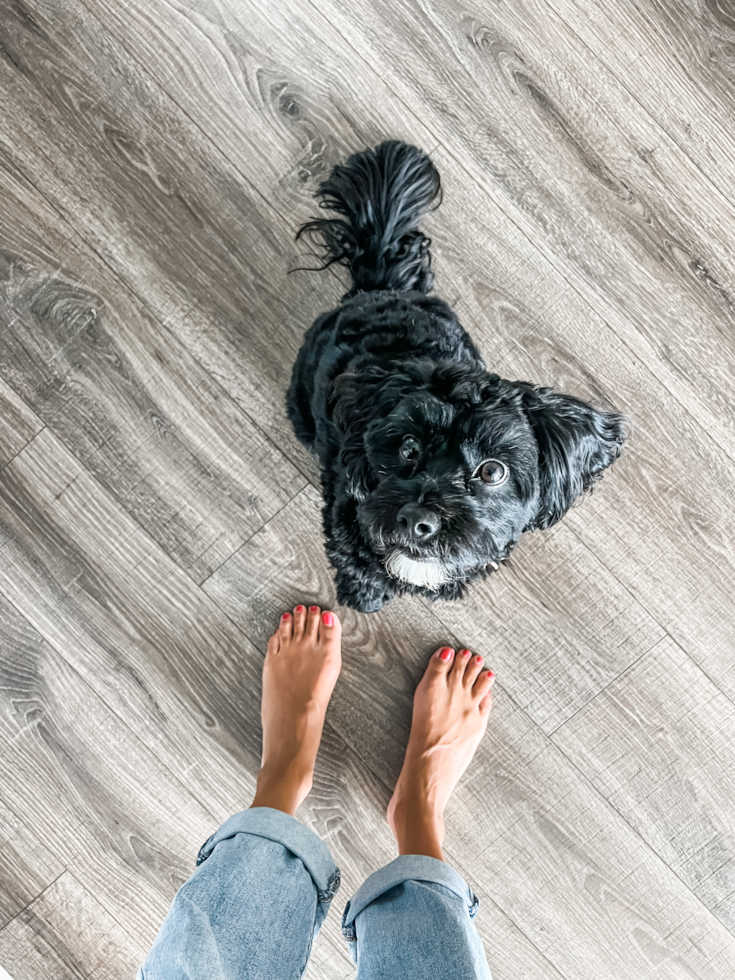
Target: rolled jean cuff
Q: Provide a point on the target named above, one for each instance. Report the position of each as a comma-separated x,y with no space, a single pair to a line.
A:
407,867
275,825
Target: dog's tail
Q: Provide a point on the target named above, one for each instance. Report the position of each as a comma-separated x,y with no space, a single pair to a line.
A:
382,194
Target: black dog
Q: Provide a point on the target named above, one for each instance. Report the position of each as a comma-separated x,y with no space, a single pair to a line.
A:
432,468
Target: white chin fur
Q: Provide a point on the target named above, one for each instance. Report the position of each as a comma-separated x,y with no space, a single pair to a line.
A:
429,573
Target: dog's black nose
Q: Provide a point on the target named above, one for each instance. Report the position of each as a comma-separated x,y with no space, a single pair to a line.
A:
417,522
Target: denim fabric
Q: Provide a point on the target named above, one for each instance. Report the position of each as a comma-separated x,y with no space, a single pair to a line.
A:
413,918
262,889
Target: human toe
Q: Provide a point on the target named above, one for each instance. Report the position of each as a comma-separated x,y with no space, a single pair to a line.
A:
330,628
461,662
311,629
299,621
483,684
441,663
473,669
274,643
285,626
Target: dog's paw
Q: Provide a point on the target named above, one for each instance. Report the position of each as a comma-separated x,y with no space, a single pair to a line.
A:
360,597
370,605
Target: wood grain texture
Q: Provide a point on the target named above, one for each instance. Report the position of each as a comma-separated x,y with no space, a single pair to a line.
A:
115,645
89,791
178,674
524,827
67,935
578,881
583,171
560,139
678,61
184,680
507,295
657,743
125,396
26,866
159,204
668,544
18,424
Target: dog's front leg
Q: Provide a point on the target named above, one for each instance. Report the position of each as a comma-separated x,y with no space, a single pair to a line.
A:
360,591
362,582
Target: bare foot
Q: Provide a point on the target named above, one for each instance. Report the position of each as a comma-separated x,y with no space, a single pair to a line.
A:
451,707
301,667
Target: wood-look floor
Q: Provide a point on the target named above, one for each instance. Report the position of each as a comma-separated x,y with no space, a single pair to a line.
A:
157,513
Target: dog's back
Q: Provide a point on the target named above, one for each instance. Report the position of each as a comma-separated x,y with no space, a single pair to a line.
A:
381,195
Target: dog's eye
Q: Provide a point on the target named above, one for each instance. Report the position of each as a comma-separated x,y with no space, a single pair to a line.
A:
410,448
493,472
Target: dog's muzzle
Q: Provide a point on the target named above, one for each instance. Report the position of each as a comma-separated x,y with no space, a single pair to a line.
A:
429,573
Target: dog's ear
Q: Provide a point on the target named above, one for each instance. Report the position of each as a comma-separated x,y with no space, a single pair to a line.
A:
575,444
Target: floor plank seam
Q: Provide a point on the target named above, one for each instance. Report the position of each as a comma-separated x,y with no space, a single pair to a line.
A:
635,598
37,628
649,847
280,96
40,894
602,690
15,455
243,543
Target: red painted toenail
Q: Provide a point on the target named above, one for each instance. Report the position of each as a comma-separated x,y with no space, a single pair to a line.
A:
286,616
300,608
478,660
445,653
490,674
313,608
465,653
328,619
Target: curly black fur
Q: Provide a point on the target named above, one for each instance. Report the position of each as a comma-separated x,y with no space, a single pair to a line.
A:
392,363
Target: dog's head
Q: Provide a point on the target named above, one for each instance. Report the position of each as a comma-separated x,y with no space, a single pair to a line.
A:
450,465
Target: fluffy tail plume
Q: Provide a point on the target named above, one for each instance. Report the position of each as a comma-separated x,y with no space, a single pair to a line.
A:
381,194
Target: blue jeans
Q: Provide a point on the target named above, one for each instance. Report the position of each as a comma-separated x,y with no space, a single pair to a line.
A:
262,889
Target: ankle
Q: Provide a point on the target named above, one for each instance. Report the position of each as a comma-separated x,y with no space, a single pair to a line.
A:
420,835
282,788
418,826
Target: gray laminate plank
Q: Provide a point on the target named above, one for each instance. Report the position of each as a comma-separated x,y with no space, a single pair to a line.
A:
581,884
659,744
18,424
158,203
675,57
100,800
186,229
125,395
67,935
670,545
26,866
524,827
94,797
183,678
